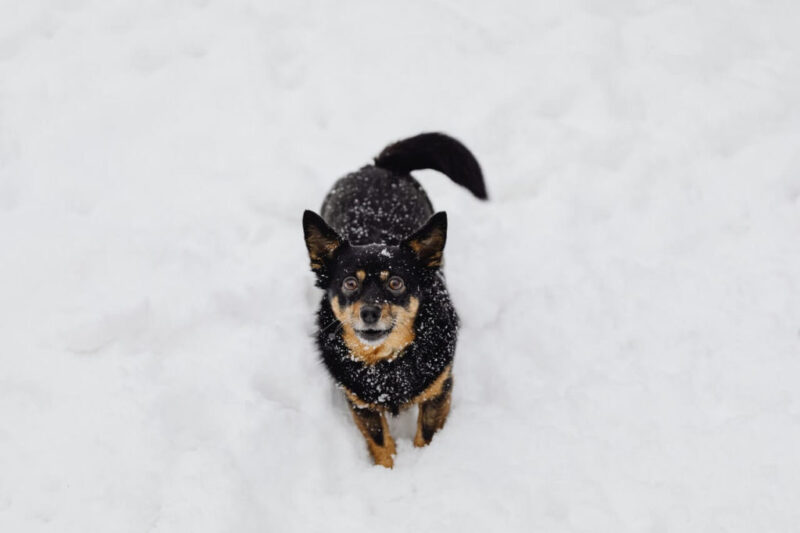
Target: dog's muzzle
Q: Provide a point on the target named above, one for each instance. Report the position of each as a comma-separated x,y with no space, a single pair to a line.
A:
372,336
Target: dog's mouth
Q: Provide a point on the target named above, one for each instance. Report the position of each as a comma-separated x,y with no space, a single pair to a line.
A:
373,336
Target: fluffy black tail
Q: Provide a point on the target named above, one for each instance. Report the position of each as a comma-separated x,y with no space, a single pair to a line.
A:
438,152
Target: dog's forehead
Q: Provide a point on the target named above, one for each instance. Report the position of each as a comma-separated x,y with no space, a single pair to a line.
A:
374,257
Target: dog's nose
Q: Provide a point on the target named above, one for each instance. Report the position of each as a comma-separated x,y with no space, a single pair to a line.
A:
370,314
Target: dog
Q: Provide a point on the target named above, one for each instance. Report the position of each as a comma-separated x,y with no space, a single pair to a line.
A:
386,326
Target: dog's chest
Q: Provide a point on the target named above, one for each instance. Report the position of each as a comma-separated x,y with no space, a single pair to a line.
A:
395,382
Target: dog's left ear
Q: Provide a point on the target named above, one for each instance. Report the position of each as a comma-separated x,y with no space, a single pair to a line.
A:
321,241
427,242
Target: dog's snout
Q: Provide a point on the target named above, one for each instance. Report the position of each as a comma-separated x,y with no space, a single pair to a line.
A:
370,314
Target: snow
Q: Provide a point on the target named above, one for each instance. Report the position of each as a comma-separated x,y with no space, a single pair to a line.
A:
630,296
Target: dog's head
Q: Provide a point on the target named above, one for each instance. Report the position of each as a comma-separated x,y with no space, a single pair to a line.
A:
375,289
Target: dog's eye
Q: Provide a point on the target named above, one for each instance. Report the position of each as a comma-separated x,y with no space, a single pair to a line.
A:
350,284
396,284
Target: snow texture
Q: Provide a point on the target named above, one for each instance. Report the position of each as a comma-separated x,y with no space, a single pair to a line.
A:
629,356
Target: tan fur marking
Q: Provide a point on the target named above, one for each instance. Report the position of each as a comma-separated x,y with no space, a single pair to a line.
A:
433,241
416,246
360,274
320,246
419,442
435,388
437,419
434,406
382,455
358,402
401,336
384,275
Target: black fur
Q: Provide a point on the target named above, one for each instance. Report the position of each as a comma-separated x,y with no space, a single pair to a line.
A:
369,220
438,152
394,383
374,205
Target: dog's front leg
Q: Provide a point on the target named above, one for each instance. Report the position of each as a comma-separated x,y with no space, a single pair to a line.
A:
375,429
433,414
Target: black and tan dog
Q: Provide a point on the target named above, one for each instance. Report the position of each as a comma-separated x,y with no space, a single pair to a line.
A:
387,329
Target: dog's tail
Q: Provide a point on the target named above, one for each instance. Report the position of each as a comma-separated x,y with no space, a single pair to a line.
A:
436,151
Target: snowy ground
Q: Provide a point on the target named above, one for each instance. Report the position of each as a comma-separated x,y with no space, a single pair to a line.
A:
630,298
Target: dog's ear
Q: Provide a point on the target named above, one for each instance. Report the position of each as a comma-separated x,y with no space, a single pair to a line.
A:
321,241
427,242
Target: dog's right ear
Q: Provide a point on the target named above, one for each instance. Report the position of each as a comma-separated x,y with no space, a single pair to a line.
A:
321,241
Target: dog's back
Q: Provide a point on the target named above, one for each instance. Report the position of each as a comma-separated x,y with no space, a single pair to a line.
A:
375,205
383,203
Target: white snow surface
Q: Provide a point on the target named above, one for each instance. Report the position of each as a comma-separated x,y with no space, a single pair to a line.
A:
630,352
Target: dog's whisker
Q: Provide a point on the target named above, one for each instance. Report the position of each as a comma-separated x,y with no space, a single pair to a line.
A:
329,325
